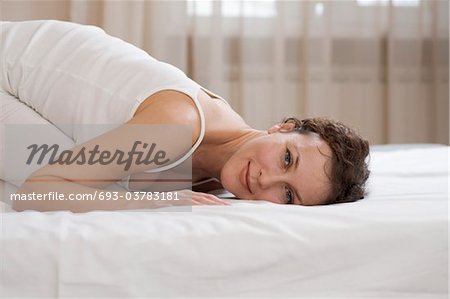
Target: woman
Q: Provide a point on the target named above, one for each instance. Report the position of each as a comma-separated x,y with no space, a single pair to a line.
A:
66,74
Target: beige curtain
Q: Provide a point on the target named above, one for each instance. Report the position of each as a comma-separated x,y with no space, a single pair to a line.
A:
378,65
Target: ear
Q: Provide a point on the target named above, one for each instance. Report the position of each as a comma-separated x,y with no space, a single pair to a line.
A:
282,128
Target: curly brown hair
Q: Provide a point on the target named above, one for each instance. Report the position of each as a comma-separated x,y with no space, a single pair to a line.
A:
349,169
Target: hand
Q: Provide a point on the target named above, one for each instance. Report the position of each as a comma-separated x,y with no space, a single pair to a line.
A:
188,197
185,198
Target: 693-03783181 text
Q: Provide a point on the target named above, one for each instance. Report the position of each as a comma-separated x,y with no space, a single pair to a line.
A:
97,195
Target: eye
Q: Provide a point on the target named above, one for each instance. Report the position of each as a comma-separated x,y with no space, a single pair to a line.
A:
287,158
287,161
289,196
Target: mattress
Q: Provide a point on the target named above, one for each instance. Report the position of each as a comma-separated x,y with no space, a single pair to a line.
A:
392,244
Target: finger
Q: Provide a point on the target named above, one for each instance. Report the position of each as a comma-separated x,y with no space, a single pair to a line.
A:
211,201
196,203
222,201
214,197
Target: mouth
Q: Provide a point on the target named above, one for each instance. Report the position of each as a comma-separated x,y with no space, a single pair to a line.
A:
247,178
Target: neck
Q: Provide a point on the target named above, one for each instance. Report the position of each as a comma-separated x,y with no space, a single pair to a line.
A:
212,157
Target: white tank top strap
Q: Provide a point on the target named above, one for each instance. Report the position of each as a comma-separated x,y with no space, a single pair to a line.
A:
193,94
212,94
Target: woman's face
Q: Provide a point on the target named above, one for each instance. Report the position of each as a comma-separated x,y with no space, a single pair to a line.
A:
282,167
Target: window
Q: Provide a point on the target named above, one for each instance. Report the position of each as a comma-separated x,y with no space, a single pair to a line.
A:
386,2
234,8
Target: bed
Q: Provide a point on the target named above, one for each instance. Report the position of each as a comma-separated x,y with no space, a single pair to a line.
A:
393,244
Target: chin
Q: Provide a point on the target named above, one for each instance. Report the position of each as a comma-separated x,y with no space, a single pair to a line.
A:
230,181
238,194
230,186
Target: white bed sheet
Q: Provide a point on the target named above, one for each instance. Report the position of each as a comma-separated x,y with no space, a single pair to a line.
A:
392,244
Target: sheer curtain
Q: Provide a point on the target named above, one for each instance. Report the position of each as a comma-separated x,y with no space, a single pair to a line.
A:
378,65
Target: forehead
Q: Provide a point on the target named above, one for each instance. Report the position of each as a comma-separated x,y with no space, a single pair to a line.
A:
311,178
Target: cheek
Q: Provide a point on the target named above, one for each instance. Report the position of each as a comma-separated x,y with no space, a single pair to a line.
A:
267,157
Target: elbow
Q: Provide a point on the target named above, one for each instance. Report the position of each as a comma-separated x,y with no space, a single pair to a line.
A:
26,197
18,206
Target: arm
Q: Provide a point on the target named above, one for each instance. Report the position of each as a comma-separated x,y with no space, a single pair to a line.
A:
39,185
44,184
89,178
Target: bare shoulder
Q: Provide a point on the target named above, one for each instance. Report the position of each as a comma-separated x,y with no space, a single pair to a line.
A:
169,107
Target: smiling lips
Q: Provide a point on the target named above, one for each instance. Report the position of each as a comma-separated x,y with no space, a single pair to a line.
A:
247,177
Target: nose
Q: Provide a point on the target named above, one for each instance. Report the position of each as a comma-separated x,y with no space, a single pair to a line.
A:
270,178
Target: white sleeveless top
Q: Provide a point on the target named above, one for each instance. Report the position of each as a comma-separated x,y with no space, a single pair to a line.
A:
77,74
